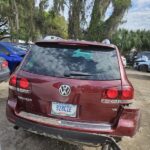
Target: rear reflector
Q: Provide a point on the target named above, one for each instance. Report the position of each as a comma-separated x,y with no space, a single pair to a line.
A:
24,83
13,80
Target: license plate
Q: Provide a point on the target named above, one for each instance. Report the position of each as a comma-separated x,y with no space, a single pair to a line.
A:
61,109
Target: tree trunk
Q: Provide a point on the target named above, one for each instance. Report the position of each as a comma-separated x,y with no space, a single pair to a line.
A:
98,13
16,15
32,27
112,23
74,30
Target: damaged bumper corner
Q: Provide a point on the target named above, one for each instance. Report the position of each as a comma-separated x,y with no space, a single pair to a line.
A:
128,123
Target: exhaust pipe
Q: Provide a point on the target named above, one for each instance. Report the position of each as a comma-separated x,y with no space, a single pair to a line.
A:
16,127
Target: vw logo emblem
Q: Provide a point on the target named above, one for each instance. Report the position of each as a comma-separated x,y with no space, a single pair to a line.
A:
64,90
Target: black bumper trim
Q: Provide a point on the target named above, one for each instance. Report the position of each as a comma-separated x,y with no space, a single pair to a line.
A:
66,135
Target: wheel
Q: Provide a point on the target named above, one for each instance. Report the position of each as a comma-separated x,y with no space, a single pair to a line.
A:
106,147
138,68
143,68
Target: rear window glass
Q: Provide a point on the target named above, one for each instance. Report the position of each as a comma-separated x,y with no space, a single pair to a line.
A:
73,62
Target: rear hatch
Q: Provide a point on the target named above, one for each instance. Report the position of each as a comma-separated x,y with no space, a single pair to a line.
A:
70,82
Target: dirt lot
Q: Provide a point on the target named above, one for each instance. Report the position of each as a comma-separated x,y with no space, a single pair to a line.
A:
11,139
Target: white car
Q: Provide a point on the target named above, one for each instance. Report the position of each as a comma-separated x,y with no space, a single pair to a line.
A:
52,37
124,61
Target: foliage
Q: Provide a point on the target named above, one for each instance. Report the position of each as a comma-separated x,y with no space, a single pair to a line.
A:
126,40
76,14
28,22
99,28
48,23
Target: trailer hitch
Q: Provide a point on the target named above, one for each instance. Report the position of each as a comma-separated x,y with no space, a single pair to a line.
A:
110,143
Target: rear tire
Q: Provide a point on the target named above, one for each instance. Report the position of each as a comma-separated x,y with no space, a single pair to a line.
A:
143,68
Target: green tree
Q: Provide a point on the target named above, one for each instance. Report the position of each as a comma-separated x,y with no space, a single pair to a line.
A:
76,15
98,27
126,40
28,22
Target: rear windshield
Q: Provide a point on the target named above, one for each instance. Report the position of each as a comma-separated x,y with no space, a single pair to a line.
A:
73,62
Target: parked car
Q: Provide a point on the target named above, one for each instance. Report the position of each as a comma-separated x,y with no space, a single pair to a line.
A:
124,61
75,91
12,54
131,56
142,61
4,70
23,46
52,37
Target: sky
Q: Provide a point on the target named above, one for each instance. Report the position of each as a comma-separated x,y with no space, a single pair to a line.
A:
137,17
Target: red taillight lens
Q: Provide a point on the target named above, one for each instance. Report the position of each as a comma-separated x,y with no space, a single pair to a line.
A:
24,83
4,64
122,94
127,93
112,93
13,80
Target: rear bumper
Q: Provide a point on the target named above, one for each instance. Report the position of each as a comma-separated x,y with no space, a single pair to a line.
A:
63,134
127,125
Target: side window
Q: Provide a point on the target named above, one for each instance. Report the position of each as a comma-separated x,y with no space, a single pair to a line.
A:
3,50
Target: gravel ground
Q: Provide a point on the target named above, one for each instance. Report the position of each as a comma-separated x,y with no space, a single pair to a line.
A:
11,139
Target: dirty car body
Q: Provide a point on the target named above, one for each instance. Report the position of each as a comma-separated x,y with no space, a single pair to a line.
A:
73,90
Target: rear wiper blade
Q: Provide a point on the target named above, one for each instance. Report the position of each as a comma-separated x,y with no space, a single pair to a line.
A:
74,73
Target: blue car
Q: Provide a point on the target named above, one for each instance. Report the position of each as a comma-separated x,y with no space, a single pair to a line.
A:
12,54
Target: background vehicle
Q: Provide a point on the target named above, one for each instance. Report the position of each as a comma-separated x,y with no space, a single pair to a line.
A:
4,70
52,37
124,61
24,46
12,54
142,61
73,90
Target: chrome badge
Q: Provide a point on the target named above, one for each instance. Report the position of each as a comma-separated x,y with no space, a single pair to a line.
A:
64,90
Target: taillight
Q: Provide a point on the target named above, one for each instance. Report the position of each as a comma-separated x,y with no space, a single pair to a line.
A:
13,80
24,83
127,93
112,93
118,94
4,64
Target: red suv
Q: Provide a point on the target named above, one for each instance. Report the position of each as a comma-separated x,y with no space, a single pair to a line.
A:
73,90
